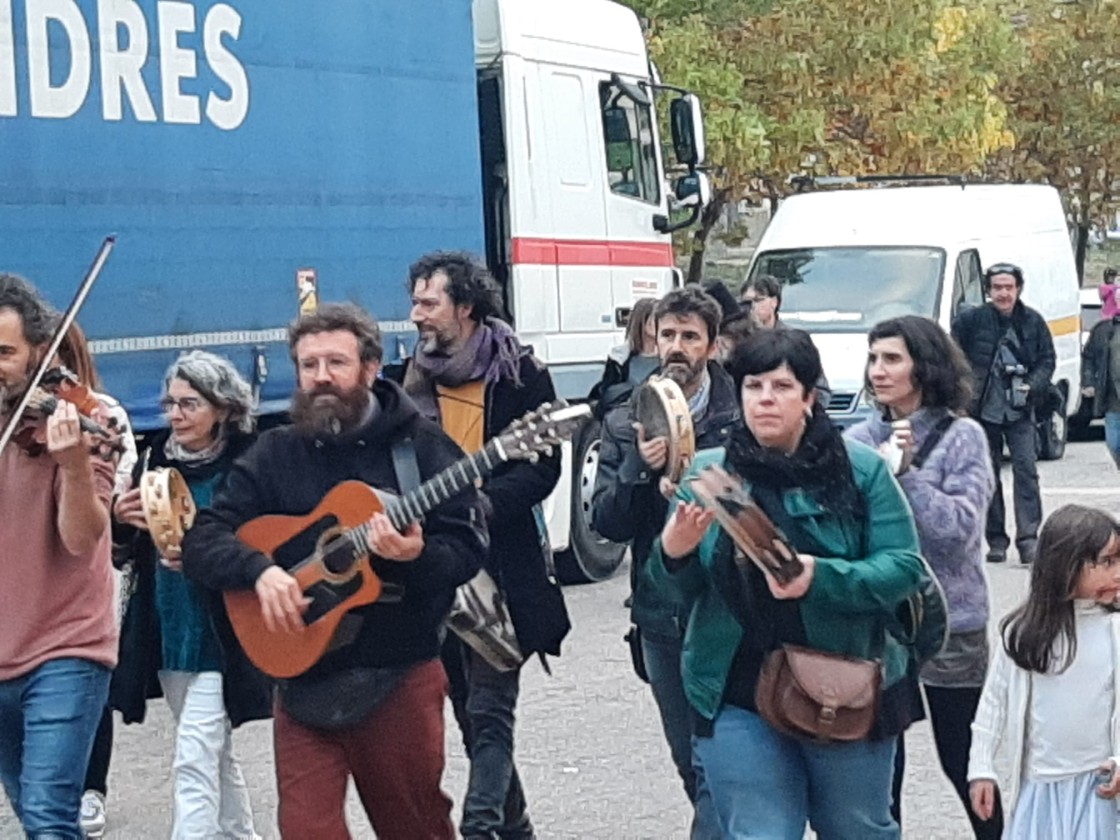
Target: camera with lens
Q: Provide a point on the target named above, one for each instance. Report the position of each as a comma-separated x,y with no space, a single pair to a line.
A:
1017,390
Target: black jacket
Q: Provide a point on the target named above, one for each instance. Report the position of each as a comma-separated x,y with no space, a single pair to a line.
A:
978,332
287,473
627,505
246,691
516,559
1096,363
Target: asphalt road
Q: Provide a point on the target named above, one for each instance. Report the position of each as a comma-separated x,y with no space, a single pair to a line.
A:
589,748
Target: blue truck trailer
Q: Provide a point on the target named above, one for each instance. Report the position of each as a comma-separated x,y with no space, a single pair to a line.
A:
253,156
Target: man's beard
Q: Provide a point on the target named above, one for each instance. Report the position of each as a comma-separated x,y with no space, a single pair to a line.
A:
329,410
679,369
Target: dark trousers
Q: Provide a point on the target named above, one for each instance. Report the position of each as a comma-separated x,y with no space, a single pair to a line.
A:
97,772
951,711
484,701
395,755
1020,437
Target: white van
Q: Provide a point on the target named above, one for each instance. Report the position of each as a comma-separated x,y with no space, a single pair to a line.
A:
851,258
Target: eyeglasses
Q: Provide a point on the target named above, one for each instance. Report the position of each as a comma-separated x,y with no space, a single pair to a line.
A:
187,405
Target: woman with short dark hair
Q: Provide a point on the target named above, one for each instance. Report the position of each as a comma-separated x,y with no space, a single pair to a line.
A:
845,516
921,382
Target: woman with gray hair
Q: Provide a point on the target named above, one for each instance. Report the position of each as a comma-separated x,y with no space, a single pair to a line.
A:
176,636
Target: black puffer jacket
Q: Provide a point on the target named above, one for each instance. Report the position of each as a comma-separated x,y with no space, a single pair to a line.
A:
978,332
246,691
627,505
1096,364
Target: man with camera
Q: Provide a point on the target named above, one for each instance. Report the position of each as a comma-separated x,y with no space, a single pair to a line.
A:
1012,356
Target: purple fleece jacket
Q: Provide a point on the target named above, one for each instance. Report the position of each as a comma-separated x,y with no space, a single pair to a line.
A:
949,496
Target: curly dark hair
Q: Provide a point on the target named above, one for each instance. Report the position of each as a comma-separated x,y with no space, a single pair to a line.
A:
333,317
39,318
941,371
691,300
469,282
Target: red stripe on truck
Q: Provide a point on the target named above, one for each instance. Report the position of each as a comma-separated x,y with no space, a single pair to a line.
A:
527,251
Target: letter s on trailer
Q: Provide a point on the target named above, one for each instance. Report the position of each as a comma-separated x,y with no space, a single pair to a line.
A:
236,145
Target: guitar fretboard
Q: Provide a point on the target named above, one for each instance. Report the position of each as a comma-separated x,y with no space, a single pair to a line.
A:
410,507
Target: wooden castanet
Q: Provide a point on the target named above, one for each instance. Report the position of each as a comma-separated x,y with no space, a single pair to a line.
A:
283,653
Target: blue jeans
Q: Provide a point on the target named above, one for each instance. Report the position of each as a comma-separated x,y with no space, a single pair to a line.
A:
484,700
48,719
662,655
1112,435
767,785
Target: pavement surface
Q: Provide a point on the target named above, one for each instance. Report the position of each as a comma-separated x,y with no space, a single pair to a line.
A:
589,747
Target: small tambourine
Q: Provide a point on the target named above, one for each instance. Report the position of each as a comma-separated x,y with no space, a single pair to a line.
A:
755,535
663,412
169,509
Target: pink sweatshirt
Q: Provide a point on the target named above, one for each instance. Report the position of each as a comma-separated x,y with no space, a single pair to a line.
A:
53,604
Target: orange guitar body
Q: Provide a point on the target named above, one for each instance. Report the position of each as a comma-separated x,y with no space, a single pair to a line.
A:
283,653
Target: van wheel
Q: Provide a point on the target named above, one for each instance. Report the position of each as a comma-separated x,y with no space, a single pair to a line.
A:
1053,429
589,557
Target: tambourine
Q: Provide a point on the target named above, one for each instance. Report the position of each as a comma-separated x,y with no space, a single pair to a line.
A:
663,412
169,509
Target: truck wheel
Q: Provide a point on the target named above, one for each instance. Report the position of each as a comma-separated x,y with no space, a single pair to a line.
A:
589,557
1052,432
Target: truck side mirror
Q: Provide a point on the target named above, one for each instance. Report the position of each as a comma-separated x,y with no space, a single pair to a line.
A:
693,190
686,119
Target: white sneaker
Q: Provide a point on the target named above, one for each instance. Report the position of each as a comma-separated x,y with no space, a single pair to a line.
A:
92,816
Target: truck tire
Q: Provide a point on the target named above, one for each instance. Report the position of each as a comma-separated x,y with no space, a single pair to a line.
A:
589,557
1053,429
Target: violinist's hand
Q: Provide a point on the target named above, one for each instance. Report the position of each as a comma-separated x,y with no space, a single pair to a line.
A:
282,601
66,442
389,543
654,452
685,528
129,510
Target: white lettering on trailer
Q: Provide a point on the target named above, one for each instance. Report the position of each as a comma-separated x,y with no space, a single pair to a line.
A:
133,344
8,106
64,100
177,63
121,67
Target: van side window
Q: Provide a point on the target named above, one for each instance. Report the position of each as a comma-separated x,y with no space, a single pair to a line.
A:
629,141
968,287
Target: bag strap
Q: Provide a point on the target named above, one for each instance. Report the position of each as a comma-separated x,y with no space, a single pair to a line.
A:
405,465
931,441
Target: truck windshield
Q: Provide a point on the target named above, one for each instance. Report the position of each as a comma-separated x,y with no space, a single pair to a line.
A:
852,289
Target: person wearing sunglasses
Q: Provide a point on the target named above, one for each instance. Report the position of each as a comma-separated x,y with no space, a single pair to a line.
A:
175,634
1011,352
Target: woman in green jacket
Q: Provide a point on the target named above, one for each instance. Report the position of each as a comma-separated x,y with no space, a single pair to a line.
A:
846,517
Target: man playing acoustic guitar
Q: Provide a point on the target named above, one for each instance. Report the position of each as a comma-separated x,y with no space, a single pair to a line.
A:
372,707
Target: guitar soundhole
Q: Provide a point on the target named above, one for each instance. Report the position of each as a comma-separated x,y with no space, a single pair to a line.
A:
338,555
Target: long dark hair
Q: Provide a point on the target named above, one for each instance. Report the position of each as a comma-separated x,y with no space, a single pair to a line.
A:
1043,626
941,371
636,326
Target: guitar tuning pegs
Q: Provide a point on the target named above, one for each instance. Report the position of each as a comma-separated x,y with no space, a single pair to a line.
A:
534,457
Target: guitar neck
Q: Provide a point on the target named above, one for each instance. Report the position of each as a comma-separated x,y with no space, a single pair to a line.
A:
411,507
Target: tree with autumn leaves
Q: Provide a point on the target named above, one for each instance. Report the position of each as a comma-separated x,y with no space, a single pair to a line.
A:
856,87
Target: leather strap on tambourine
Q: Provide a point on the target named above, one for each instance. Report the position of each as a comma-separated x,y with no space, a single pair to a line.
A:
661,408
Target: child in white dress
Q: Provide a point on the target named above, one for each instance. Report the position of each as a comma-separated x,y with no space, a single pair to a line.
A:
1051,693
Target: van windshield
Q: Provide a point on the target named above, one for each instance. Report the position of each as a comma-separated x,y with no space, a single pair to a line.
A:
852,289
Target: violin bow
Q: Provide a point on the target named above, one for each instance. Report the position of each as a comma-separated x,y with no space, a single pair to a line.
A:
60,334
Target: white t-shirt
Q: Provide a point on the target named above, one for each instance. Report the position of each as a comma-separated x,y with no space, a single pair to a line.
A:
1069,726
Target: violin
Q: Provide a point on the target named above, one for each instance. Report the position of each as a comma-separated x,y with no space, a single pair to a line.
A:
61,384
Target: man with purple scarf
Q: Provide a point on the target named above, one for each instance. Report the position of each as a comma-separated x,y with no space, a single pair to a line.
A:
471,375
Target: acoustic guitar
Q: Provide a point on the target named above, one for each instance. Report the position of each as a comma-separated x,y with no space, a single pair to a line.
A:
327,550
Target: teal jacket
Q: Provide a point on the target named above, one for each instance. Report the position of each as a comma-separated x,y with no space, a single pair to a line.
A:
853,600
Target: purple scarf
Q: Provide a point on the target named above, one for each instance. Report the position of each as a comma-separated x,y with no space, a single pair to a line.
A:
491,353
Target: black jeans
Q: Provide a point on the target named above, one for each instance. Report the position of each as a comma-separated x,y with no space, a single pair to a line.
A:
951,711
1020,437
484,700
97,771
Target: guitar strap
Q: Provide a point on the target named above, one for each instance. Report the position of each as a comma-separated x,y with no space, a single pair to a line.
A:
405,465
